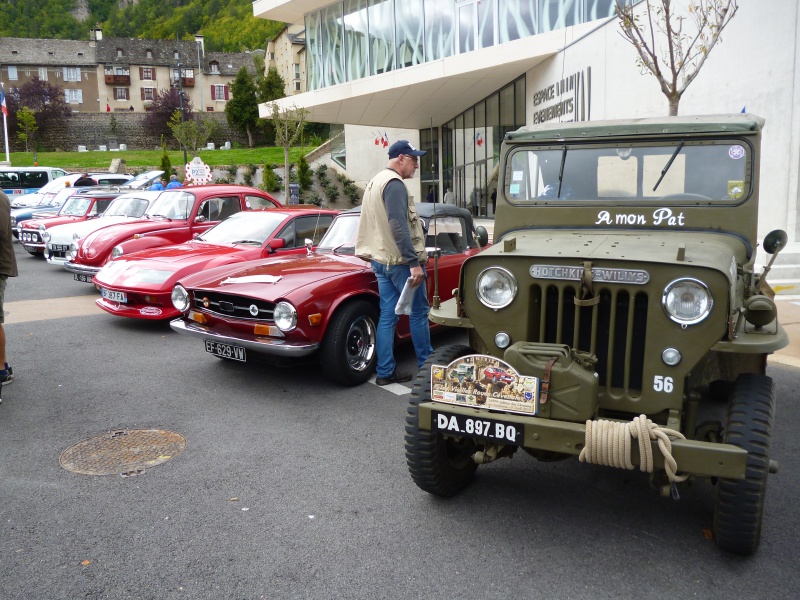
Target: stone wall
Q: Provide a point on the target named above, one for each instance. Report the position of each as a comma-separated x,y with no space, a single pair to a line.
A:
95,129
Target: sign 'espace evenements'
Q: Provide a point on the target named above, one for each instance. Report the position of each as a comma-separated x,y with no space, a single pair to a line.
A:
571,96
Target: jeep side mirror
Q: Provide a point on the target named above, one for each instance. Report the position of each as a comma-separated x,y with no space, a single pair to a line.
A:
775,241
482,236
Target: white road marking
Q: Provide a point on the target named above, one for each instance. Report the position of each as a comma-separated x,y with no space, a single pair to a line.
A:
396,388
25,311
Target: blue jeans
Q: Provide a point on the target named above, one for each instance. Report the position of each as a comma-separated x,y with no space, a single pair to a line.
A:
391,280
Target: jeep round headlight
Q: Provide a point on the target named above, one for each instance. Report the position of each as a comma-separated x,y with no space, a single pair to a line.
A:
46,236
73,251
496,287
116,252
285,316
180,298
687,301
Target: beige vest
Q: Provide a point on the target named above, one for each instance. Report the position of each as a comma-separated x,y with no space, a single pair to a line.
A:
375,240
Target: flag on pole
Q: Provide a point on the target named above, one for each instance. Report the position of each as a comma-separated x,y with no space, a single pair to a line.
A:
3,100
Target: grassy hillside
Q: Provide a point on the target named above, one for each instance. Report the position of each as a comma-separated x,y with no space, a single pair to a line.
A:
228,25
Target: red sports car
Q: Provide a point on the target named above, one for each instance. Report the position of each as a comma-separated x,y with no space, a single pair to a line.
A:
77,208
139,285
324,305
496,374
177,216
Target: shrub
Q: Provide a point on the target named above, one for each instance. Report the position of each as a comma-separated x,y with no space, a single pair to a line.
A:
314,198
166,165
269,180
331,191
247,175
352,192
303,173
232,171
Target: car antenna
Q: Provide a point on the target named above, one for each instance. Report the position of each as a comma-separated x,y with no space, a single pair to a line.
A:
436,299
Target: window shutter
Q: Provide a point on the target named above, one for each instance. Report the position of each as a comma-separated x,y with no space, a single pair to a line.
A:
141,72
127,94
153,71
142,90
226,91
213,89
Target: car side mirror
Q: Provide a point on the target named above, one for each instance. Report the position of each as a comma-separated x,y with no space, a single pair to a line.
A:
482,236
200,219
275,244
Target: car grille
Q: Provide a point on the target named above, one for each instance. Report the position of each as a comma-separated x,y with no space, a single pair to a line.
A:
614,330
239,307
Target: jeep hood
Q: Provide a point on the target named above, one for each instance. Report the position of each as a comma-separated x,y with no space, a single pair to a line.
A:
694,249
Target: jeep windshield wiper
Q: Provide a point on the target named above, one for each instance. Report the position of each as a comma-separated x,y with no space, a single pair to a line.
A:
561,170
669,164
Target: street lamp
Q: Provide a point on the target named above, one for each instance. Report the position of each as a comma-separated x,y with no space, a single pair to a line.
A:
180,96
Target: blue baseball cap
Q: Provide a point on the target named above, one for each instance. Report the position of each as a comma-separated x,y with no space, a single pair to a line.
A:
403,147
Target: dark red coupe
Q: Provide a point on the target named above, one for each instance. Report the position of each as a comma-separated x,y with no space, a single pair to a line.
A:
322,306
139,285
177,216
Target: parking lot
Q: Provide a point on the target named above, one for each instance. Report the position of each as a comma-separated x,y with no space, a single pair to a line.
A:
289,487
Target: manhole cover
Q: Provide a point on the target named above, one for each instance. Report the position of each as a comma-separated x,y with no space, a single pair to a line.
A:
123,452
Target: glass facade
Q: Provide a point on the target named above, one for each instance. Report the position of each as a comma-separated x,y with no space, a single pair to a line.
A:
353,39
471,147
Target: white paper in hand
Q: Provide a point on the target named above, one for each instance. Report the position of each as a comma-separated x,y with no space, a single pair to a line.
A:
404,303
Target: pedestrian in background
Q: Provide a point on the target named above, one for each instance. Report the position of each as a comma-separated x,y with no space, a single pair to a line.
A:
429,197
173,182
390,237
158,186
84,180
449,197
8,268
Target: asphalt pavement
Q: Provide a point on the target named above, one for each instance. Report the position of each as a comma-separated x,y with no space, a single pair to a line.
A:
289,487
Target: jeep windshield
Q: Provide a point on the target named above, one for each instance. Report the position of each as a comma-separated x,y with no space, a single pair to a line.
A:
684,171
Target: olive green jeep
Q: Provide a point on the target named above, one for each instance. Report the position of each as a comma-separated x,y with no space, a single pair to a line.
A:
618,317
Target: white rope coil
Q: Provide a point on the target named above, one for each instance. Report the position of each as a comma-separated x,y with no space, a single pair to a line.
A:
608,443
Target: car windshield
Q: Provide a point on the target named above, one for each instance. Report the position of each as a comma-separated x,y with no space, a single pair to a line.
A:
142,179
127,206
172,205
244,228
76,206
341,237
684,171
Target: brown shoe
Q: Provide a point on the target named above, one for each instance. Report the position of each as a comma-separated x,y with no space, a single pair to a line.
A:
396,377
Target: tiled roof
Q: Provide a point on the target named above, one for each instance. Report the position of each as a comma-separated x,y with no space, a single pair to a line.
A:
24,51
229,62
134,52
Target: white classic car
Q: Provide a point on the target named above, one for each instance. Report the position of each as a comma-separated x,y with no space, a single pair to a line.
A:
126,207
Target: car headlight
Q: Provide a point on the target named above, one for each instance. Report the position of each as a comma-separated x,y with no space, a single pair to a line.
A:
13,222
285,316
180,298
116,252
496,287
73,251
687,301
46,236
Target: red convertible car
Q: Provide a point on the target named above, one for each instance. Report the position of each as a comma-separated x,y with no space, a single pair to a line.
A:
77,208
139,285
177,216
324,305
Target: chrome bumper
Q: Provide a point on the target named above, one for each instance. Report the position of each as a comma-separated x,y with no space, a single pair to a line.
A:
269,346
81,269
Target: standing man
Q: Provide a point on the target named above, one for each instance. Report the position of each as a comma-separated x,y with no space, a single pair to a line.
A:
449,197
173,182
390,236
158,186
84,180
8,268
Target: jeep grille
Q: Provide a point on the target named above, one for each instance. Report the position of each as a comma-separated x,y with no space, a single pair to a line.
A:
614,330
233,306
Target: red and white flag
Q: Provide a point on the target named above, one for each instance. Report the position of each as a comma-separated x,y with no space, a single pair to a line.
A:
3,101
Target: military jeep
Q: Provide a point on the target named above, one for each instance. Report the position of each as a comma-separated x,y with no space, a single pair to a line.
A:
622,293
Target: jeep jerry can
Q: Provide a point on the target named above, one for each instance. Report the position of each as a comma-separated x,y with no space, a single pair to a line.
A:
618,318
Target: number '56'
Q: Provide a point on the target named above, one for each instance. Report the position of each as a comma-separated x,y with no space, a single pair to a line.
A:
662,384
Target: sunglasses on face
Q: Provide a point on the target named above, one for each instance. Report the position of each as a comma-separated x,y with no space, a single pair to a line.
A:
414,158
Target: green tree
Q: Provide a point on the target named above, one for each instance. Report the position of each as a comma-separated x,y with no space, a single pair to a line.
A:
303,173
166,165
242,108
288,128
26,122
270,87
195,133
673,42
